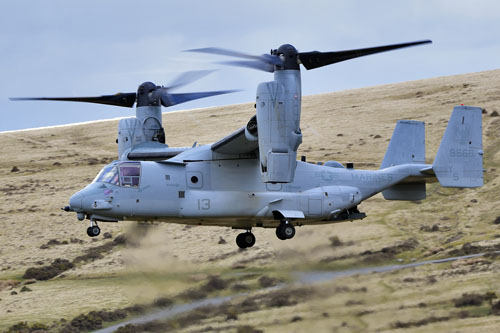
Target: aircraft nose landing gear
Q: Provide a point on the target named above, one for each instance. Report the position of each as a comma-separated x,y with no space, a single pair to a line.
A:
245,239
285,230
93,230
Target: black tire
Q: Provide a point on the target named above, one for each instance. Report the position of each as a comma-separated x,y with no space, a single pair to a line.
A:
89,232
240,241
245,239
249,239
285,231
279,233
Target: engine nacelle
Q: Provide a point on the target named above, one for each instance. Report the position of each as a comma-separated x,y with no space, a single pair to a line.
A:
146,126
279,135
127,129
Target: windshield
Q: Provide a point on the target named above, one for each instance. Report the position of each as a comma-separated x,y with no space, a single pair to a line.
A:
108,174
125,174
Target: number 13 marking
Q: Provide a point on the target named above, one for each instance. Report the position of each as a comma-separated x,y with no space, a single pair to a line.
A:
203,204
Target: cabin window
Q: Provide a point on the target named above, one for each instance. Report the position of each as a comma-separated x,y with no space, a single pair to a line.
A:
130,173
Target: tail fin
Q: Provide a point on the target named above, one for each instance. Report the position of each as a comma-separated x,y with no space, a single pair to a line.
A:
407,145
459,160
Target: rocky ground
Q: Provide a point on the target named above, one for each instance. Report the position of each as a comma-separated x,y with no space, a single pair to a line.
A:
54,278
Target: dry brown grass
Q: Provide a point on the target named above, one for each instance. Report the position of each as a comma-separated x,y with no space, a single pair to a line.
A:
54,163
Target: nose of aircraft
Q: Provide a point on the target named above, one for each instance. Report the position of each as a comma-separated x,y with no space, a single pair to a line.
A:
75,202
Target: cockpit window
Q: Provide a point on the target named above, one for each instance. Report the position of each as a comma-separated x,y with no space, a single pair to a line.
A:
125,174
108,175
130,174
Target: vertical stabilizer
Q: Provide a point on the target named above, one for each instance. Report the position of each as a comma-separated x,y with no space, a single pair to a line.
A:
459,160
407,145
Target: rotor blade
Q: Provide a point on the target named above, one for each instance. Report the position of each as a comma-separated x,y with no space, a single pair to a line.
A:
316,59
188,77
120,99
174,99
267,60
225,52
259,65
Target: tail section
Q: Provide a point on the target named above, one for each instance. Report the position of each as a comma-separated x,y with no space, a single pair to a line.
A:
407,144
459,160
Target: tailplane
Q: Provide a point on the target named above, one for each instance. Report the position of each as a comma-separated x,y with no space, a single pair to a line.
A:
459,160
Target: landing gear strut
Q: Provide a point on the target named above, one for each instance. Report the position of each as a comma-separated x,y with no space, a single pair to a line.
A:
245,239
285,230
94,229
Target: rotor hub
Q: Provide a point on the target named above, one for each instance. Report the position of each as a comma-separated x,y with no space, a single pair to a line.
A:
145,94
288,55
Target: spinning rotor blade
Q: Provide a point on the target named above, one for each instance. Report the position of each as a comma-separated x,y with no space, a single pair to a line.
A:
265,62
148,94
168,99
120,99
225,52
259,65
316,59
188,77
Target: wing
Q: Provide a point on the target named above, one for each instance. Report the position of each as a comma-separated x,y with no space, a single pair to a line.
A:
153,151
235,143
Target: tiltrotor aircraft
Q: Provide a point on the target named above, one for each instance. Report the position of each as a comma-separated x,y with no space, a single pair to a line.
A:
251,178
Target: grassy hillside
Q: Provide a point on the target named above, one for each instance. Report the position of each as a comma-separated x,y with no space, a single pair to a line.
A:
40,169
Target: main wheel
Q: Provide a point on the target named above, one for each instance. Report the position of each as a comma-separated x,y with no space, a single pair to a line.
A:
285,231
245,239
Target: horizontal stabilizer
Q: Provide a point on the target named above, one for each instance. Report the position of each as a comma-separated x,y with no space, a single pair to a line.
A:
459,160
406,191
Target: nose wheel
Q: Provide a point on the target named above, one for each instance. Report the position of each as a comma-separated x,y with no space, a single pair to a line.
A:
93,230
285,230
245,239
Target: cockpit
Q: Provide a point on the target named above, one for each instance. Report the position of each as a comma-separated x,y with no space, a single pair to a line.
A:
125,174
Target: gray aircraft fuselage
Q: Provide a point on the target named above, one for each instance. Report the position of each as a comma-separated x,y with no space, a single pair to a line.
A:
229,192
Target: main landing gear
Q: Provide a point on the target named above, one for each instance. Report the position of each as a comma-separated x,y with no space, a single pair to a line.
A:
245,239
94,229
285,230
